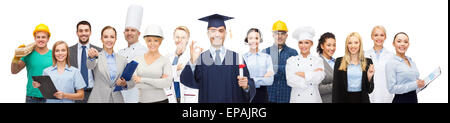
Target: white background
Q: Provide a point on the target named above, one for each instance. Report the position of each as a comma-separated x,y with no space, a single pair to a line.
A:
425,21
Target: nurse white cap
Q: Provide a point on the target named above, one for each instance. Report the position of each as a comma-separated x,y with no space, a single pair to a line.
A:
134,16
304,33
154,30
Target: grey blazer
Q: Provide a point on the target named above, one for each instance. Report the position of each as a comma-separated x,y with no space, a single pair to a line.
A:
103,89
326,86
74,54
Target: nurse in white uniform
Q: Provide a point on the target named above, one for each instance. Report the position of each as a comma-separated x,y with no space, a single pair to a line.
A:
304,72
379,55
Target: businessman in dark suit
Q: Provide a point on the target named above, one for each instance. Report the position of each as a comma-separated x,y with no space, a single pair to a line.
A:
78,57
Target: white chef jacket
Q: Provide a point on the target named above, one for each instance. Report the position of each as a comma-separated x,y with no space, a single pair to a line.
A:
304,90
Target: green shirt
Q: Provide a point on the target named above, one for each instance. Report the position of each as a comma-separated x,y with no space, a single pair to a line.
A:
36,63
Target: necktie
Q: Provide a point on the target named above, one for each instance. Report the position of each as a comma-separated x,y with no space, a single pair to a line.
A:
84,70
217,60
175,60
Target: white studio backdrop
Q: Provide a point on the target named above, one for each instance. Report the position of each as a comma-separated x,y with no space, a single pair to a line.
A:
426,22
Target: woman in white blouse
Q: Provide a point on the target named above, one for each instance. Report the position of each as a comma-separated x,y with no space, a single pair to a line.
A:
154,72
304,72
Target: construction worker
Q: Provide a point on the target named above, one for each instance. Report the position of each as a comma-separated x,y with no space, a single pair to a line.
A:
36,57
279,92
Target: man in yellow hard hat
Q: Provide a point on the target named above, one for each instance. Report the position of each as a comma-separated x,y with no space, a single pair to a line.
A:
279,92
36,57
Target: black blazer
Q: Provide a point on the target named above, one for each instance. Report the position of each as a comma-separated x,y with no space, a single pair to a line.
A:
339,91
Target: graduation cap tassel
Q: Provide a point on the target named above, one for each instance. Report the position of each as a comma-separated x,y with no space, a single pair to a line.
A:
229,30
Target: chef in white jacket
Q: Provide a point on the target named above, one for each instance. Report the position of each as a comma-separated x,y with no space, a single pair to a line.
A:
177,92
304,72
134,48
379,55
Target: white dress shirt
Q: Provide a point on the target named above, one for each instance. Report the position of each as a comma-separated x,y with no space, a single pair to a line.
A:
80,50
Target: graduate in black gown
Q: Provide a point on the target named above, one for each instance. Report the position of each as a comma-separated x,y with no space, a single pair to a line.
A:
216,71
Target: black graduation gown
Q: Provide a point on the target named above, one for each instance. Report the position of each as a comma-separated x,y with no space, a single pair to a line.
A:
218,83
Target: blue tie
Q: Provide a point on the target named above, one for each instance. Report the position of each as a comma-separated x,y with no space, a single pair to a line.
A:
217,60
84,70
175,60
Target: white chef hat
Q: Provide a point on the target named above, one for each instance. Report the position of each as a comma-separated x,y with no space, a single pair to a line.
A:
134,16
304,33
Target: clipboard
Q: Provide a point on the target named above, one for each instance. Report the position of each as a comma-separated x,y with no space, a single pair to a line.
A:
47,87
127,73
431,77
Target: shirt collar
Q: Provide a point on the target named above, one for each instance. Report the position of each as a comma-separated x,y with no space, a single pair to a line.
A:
276,46
398,58
250,53
107,55
134,45
332,59
53,68
375,51
213,50
87,45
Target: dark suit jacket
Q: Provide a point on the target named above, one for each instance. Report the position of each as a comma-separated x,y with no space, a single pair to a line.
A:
340,93
74,54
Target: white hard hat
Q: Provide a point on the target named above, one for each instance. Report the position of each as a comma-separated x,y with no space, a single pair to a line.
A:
304,33
154,30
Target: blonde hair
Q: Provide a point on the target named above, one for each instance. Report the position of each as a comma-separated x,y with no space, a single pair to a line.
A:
54,50
346,59
380,28
182,28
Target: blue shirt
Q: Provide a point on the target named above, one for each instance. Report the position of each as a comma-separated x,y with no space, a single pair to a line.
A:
67,82
354,77
279,92
112,67
400,77
258,65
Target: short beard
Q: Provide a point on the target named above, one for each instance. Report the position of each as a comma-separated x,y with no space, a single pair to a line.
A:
85,42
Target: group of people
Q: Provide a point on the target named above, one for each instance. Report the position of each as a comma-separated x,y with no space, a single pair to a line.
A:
278,74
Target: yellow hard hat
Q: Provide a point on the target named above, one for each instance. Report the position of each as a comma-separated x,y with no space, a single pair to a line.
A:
41,27
279,26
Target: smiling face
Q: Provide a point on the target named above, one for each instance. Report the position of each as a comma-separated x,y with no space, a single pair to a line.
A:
131,35
153,43
280,37
253,39
83,33
329,47
109,38
378,36
217,35
41,39
180,37
401,43
353,45
61,52
304,46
